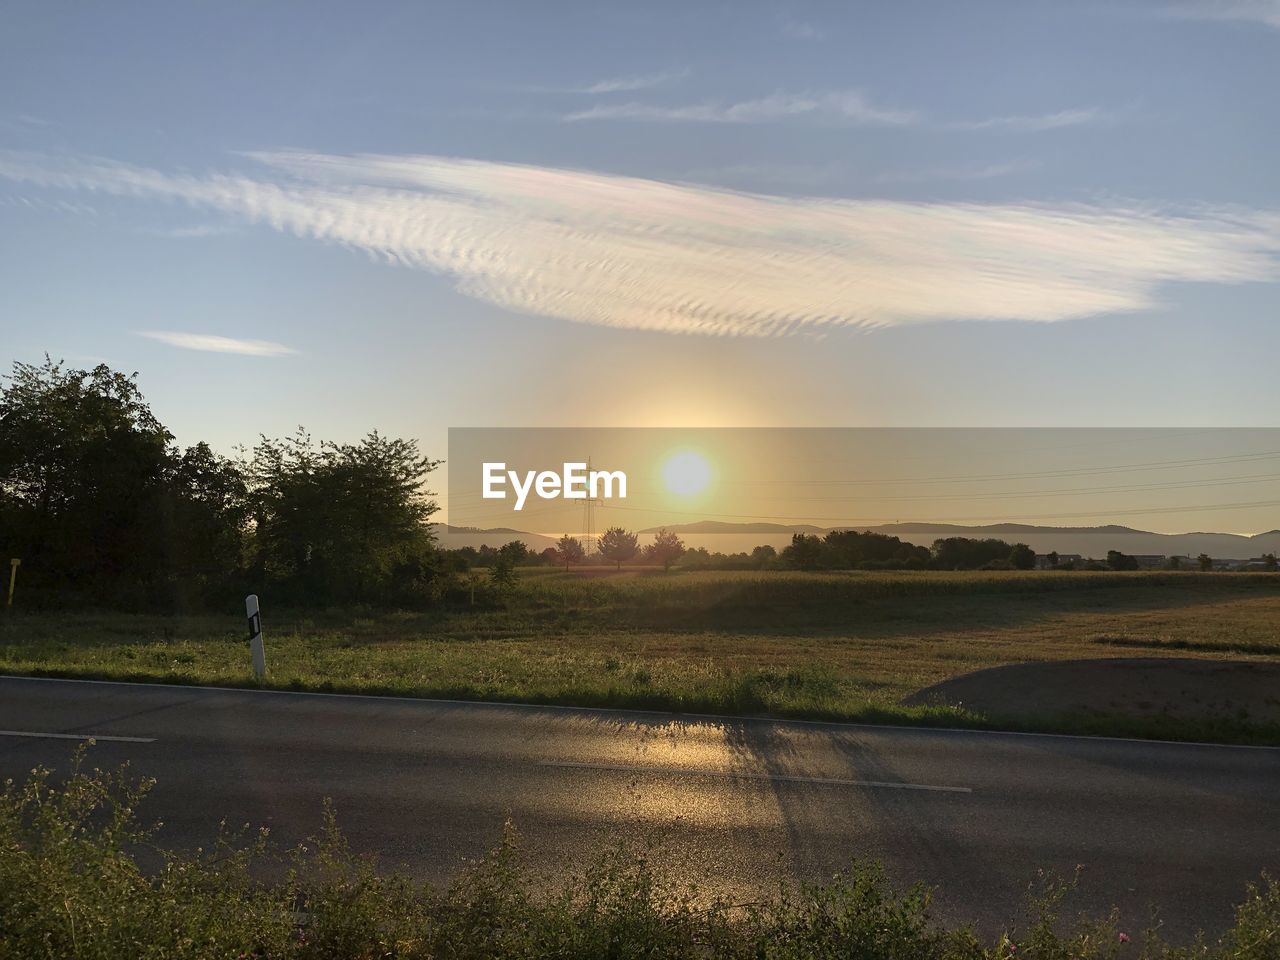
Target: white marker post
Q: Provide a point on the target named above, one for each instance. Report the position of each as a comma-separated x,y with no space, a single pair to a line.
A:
255,636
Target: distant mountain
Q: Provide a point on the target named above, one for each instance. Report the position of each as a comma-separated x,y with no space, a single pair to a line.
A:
1086,541
718,526
997,528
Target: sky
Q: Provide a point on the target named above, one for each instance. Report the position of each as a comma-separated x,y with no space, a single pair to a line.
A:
414,216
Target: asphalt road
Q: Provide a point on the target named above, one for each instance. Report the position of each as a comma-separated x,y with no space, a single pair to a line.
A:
734,804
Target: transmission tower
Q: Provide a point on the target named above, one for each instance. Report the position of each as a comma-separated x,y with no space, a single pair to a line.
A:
589,508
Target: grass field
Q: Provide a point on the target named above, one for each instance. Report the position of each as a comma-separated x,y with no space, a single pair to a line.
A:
835,646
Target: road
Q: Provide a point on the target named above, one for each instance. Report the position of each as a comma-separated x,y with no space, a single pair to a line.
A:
735,804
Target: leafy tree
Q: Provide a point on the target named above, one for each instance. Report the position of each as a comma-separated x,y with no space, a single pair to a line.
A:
805,552
1054,559
763,556
1270,563
84,466
208,508
666,549
966,553
338,520
569,550
1121,561
618,545
1204,561
1022,557
514,550
850,548
503,573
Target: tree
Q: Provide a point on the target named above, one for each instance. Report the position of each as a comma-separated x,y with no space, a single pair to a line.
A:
966,553
763,556
503,573
515,551
207,513
1054,558
1121,561
84,469
1270,563
569,550
338,520
1175,563
850,548
666,549
1205,561
805,551
1022,557
618,545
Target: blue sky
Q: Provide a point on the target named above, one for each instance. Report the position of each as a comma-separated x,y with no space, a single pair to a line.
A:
416,216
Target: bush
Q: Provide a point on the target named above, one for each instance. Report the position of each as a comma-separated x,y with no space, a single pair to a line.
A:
70,886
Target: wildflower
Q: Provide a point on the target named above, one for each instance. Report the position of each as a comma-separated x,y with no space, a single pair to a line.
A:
1124,937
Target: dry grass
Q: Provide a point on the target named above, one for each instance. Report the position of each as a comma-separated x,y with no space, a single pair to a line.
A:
834,646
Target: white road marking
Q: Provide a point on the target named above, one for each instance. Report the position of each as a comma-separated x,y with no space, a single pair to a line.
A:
829,726
732,775
75,736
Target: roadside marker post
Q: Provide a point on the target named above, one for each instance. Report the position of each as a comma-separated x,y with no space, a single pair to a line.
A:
13,579
255,636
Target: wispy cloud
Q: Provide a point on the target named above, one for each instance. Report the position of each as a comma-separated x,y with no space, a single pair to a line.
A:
1257,11
843,106
846,105
1044,121
622,84
211,343
641,82
626,252
196,232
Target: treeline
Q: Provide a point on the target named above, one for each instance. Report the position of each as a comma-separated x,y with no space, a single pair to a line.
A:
101,506
838,550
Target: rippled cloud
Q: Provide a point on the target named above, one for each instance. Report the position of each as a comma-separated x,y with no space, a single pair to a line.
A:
641,254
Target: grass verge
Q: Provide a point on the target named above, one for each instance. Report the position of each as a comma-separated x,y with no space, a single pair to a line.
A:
839,647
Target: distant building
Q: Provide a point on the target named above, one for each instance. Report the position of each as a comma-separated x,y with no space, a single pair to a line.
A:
1255,563
1151,561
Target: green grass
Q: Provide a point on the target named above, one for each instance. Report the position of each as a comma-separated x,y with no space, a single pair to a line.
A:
71,886
830,646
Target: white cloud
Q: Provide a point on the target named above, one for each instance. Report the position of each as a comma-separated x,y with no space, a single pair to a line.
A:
845,105
197,232
640,254
1044,121
622,84
642,82
1257,11
211,343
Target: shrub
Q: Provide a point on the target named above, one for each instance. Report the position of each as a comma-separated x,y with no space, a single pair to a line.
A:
70,886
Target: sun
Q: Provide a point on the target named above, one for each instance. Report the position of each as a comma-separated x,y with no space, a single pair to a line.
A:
686,474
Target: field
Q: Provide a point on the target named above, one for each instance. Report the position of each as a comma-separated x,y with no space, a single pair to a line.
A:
831,646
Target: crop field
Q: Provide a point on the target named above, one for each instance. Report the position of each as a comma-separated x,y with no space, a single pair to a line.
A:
826,646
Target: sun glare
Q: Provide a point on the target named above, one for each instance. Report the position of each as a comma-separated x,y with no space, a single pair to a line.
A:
686,473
